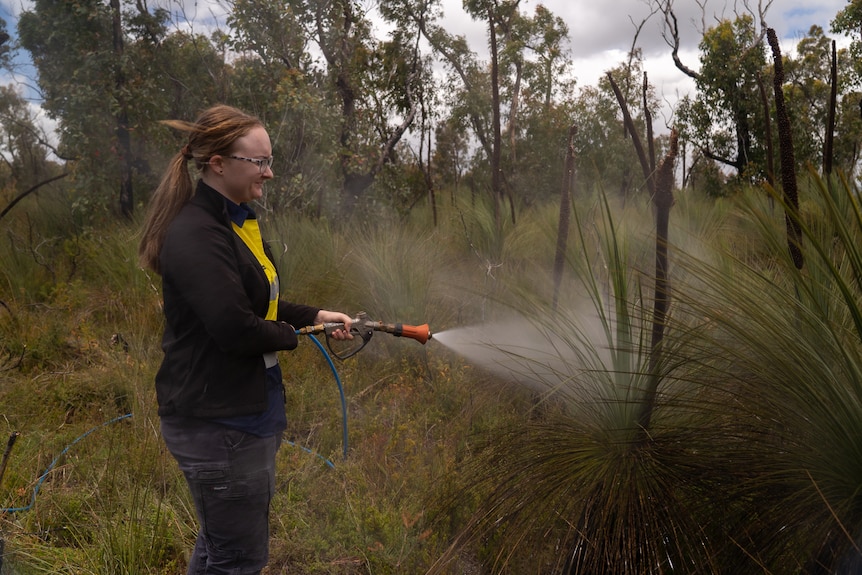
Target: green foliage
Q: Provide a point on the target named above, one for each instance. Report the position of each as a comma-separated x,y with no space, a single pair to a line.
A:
97,87
749,462
847,21
76,75
326,83
605,159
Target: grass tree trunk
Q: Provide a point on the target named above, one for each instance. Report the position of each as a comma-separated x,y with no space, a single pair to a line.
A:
663,201
660,184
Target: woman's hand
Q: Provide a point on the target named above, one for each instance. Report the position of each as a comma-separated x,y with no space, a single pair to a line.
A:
326,316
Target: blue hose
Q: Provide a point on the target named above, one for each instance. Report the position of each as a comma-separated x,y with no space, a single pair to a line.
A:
340,392
42,477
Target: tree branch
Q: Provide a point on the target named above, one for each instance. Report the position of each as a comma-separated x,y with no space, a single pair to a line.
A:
23,195
636,140
674,42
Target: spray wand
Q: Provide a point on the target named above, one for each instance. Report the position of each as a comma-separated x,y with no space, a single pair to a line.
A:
362,329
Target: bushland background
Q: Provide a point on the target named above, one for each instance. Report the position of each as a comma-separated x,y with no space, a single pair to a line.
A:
629,374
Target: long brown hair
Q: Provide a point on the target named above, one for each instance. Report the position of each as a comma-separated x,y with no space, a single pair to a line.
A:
213,133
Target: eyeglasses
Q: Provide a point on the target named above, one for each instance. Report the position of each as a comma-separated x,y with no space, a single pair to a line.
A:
262,163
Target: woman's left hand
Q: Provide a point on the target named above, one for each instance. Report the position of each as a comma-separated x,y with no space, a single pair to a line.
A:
326,316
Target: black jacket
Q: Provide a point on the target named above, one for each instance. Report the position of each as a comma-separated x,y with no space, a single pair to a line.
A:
215,299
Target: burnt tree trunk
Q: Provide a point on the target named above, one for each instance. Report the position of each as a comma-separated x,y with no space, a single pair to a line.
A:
788,158
830,123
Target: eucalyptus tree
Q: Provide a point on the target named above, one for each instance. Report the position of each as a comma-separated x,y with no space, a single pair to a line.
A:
496,14
807,91
548,71
539,132
25,166
507,101
849,22
71,47
847,148
107,73
528,77
328,66
24,147
275,77
725,118
450,153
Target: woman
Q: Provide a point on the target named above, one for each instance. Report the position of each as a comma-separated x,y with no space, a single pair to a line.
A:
219,388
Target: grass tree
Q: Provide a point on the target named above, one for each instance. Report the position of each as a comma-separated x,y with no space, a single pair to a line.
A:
786,345
574,487
751,462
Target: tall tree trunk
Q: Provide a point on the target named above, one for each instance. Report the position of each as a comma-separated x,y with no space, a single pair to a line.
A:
424,167
496,175
565,215
512,128
124,146
429,178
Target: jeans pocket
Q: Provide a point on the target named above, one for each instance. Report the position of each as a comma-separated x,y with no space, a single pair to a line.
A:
233,438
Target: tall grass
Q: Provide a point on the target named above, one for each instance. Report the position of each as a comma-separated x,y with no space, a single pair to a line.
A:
115,501
788,343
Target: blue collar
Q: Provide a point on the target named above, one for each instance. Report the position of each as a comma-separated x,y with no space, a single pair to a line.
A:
239,213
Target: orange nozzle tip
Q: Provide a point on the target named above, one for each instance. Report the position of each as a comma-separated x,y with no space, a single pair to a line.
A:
421,333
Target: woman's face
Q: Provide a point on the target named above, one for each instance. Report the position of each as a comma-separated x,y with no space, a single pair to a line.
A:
238,179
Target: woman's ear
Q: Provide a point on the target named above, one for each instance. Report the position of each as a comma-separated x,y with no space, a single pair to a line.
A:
217,163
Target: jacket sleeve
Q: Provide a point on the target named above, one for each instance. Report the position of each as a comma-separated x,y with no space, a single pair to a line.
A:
296,314
200,264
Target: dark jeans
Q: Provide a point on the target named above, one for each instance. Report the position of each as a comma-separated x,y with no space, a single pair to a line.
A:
231,475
